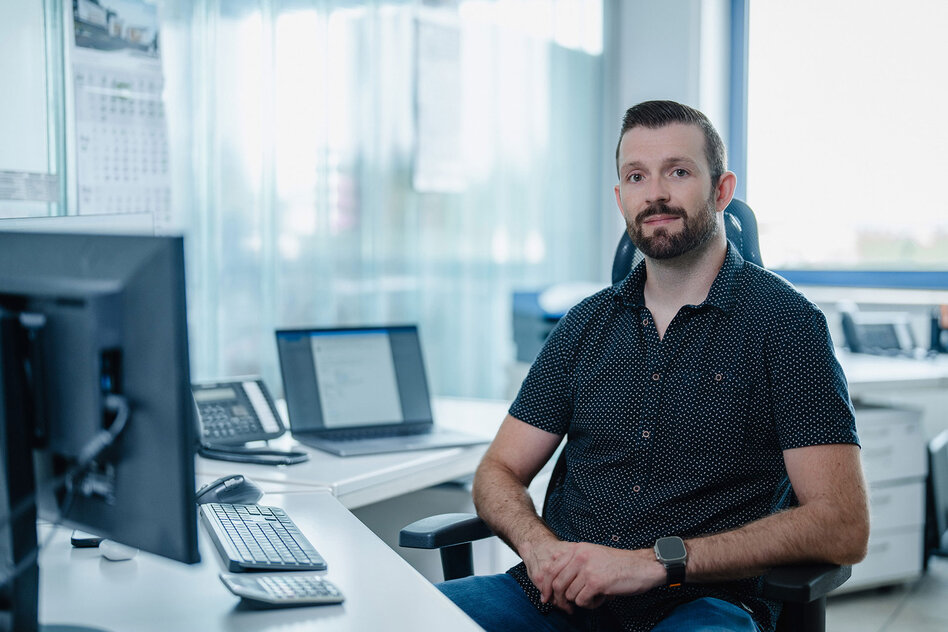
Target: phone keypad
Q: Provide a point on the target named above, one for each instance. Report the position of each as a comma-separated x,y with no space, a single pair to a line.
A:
220,422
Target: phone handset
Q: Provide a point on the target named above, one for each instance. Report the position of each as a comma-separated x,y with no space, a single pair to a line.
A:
262,407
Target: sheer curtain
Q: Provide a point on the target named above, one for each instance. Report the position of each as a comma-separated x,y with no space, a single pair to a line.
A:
368,162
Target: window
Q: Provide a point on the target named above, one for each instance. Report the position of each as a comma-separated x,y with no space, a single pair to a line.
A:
294,130
847,134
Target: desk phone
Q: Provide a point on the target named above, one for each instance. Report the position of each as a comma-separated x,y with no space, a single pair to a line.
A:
234,412
880,333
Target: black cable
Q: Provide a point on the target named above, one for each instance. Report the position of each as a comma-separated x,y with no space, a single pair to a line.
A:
102,440
72,479
259,456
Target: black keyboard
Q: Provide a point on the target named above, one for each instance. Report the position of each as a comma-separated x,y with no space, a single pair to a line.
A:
255,538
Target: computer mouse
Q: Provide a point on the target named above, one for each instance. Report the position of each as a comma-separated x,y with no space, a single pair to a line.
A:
234,489
116,552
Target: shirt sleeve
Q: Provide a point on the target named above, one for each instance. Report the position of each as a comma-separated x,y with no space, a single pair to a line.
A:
810,396
545,399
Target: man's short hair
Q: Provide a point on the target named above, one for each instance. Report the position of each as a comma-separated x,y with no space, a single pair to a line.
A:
656,114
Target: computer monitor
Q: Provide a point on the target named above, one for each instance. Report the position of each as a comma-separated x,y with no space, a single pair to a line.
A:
93,342
103,224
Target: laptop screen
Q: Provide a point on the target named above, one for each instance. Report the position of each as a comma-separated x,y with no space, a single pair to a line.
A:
345,378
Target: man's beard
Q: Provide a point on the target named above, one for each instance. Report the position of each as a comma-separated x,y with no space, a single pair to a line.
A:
696,232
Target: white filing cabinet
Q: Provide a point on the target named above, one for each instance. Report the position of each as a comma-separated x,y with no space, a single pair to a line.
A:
894,460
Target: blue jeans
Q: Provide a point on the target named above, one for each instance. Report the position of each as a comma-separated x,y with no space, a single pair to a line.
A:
497,603
707,615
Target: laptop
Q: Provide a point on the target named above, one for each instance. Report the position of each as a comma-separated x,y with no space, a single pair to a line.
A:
360,390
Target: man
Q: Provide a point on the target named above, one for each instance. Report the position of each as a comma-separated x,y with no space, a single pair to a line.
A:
701,399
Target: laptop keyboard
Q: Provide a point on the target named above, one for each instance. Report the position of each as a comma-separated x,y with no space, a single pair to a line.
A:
372,433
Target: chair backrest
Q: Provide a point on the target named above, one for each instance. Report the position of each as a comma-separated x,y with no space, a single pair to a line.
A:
740,226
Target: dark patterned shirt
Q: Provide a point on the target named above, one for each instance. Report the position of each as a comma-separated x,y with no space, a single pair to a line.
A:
684,435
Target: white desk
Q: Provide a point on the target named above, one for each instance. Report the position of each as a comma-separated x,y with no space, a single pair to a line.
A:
150,593
901,382
867,374
363,480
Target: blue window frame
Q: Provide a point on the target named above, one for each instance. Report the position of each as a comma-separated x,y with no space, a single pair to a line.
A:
927,278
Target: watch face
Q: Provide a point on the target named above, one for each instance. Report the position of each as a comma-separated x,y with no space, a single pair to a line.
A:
670,549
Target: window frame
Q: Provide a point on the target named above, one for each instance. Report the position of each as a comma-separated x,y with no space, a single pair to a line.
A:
737,154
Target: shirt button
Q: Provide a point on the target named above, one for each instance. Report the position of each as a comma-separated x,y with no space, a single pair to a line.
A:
645,322
615,538
718,377
636,488
656,377
646,433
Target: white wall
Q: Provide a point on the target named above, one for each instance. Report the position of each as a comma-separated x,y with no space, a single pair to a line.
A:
674,49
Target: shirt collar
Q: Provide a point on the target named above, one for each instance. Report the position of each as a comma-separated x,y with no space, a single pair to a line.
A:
631,290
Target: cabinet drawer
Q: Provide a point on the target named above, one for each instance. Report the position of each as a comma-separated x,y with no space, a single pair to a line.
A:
893,556
896,506
892,443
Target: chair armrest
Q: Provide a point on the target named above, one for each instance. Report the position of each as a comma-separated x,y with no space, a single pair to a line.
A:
435,532
804,583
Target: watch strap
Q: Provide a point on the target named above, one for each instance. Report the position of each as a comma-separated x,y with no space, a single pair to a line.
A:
676,574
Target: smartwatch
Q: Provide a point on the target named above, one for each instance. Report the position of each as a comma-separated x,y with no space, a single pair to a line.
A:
671,553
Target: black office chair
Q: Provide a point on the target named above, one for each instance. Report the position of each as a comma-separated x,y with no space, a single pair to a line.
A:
801,588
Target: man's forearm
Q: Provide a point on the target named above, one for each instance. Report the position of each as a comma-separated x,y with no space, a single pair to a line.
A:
831,523
797,535
503,502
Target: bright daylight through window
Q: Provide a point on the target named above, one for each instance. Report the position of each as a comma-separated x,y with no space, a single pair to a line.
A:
847,133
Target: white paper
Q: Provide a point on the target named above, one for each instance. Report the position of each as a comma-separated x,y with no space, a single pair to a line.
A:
122,156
